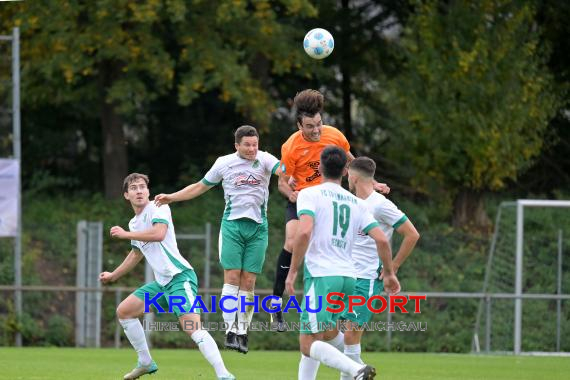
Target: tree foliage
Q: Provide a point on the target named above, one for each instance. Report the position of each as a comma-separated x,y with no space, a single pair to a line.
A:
110,59
475,99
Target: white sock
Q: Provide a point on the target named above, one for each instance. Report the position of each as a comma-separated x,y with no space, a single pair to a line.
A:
229,304
276,302
330,356
337,342
244,319
308,368
353,352
135,333
210,351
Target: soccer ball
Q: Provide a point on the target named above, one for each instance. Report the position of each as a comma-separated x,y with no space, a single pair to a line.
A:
318,43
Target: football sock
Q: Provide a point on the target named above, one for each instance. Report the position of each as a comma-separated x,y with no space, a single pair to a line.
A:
210,351
230,304
135,333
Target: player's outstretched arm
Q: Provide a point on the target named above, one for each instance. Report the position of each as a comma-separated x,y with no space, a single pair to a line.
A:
189,192
300,245
411,237
126,266
156,233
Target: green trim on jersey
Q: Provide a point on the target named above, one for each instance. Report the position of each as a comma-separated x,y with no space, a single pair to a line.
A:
176,263
400,222
263,213
208,183
158,220
227,209
306,272
275,168
306,212
370,226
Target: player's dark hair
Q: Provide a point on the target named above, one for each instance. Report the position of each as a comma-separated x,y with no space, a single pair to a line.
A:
132,178
308,103
364,165
333,162
245,131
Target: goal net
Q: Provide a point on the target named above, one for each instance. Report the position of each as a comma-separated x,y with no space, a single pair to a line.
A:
526,308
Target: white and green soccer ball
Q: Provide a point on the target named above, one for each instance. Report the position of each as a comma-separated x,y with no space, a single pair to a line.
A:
318,43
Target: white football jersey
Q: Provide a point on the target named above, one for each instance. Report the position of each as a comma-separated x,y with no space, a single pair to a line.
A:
338,216
245,183
364,252
163,257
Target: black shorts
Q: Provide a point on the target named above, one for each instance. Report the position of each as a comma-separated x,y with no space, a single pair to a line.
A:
291,212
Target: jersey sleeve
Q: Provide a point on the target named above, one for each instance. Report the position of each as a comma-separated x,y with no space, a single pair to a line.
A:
367,220
341,140
214,176
306,203
287,160
390,214
134,245
161,215
271,163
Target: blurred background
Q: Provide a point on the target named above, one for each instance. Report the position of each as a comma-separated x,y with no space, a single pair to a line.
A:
463,105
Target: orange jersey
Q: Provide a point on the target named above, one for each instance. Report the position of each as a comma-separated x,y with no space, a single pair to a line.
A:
301,158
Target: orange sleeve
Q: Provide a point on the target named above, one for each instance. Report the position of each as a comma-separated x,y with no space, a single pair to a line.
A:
341,140
287,161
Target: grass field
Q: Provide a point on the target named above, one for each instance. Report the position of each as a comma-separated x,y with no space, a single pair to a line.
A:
87,364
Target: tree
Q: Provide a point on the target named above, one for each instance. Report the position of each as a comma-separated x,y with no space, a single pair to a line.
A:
109,58
474,100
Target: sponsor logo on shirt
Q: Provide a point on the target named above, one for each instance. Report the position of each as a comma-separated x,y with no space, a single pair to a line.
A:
246,179
314,165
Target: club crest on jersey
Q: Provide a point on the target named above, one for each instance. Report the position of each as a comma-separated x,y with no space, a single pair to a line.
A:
246,179
255,164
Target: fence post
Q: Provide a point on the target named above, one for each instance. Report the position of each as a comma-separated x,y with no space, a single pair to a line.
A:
488,324
118,296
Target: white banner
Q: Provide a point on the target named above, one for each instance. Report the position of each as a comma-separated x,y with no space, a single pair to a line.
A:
9,187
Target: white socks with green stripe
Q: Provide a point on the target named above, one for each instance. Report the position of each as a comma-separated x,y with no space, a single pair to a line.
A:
135,333
230,304
353,352
210,351
244,319
330,356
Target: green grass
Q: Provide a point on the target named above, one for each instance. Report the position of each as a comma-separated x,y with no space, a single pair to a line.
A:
85,364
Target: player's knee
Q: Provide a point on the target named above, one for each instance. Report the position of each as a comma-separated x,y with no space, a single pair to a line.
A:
121,312
232,277
289,239
247,282
306,348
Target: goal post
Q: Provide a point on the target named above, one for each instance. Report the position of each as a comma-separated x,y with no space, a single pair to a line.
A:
521,204
523,280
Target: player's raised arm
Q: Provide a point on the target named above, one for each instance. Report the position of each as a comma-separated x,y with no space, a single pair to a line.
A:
125,267
189,192
156,233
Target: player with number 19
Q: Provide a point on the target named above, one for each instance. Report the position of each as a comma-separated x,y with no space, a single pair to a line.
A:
329,219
